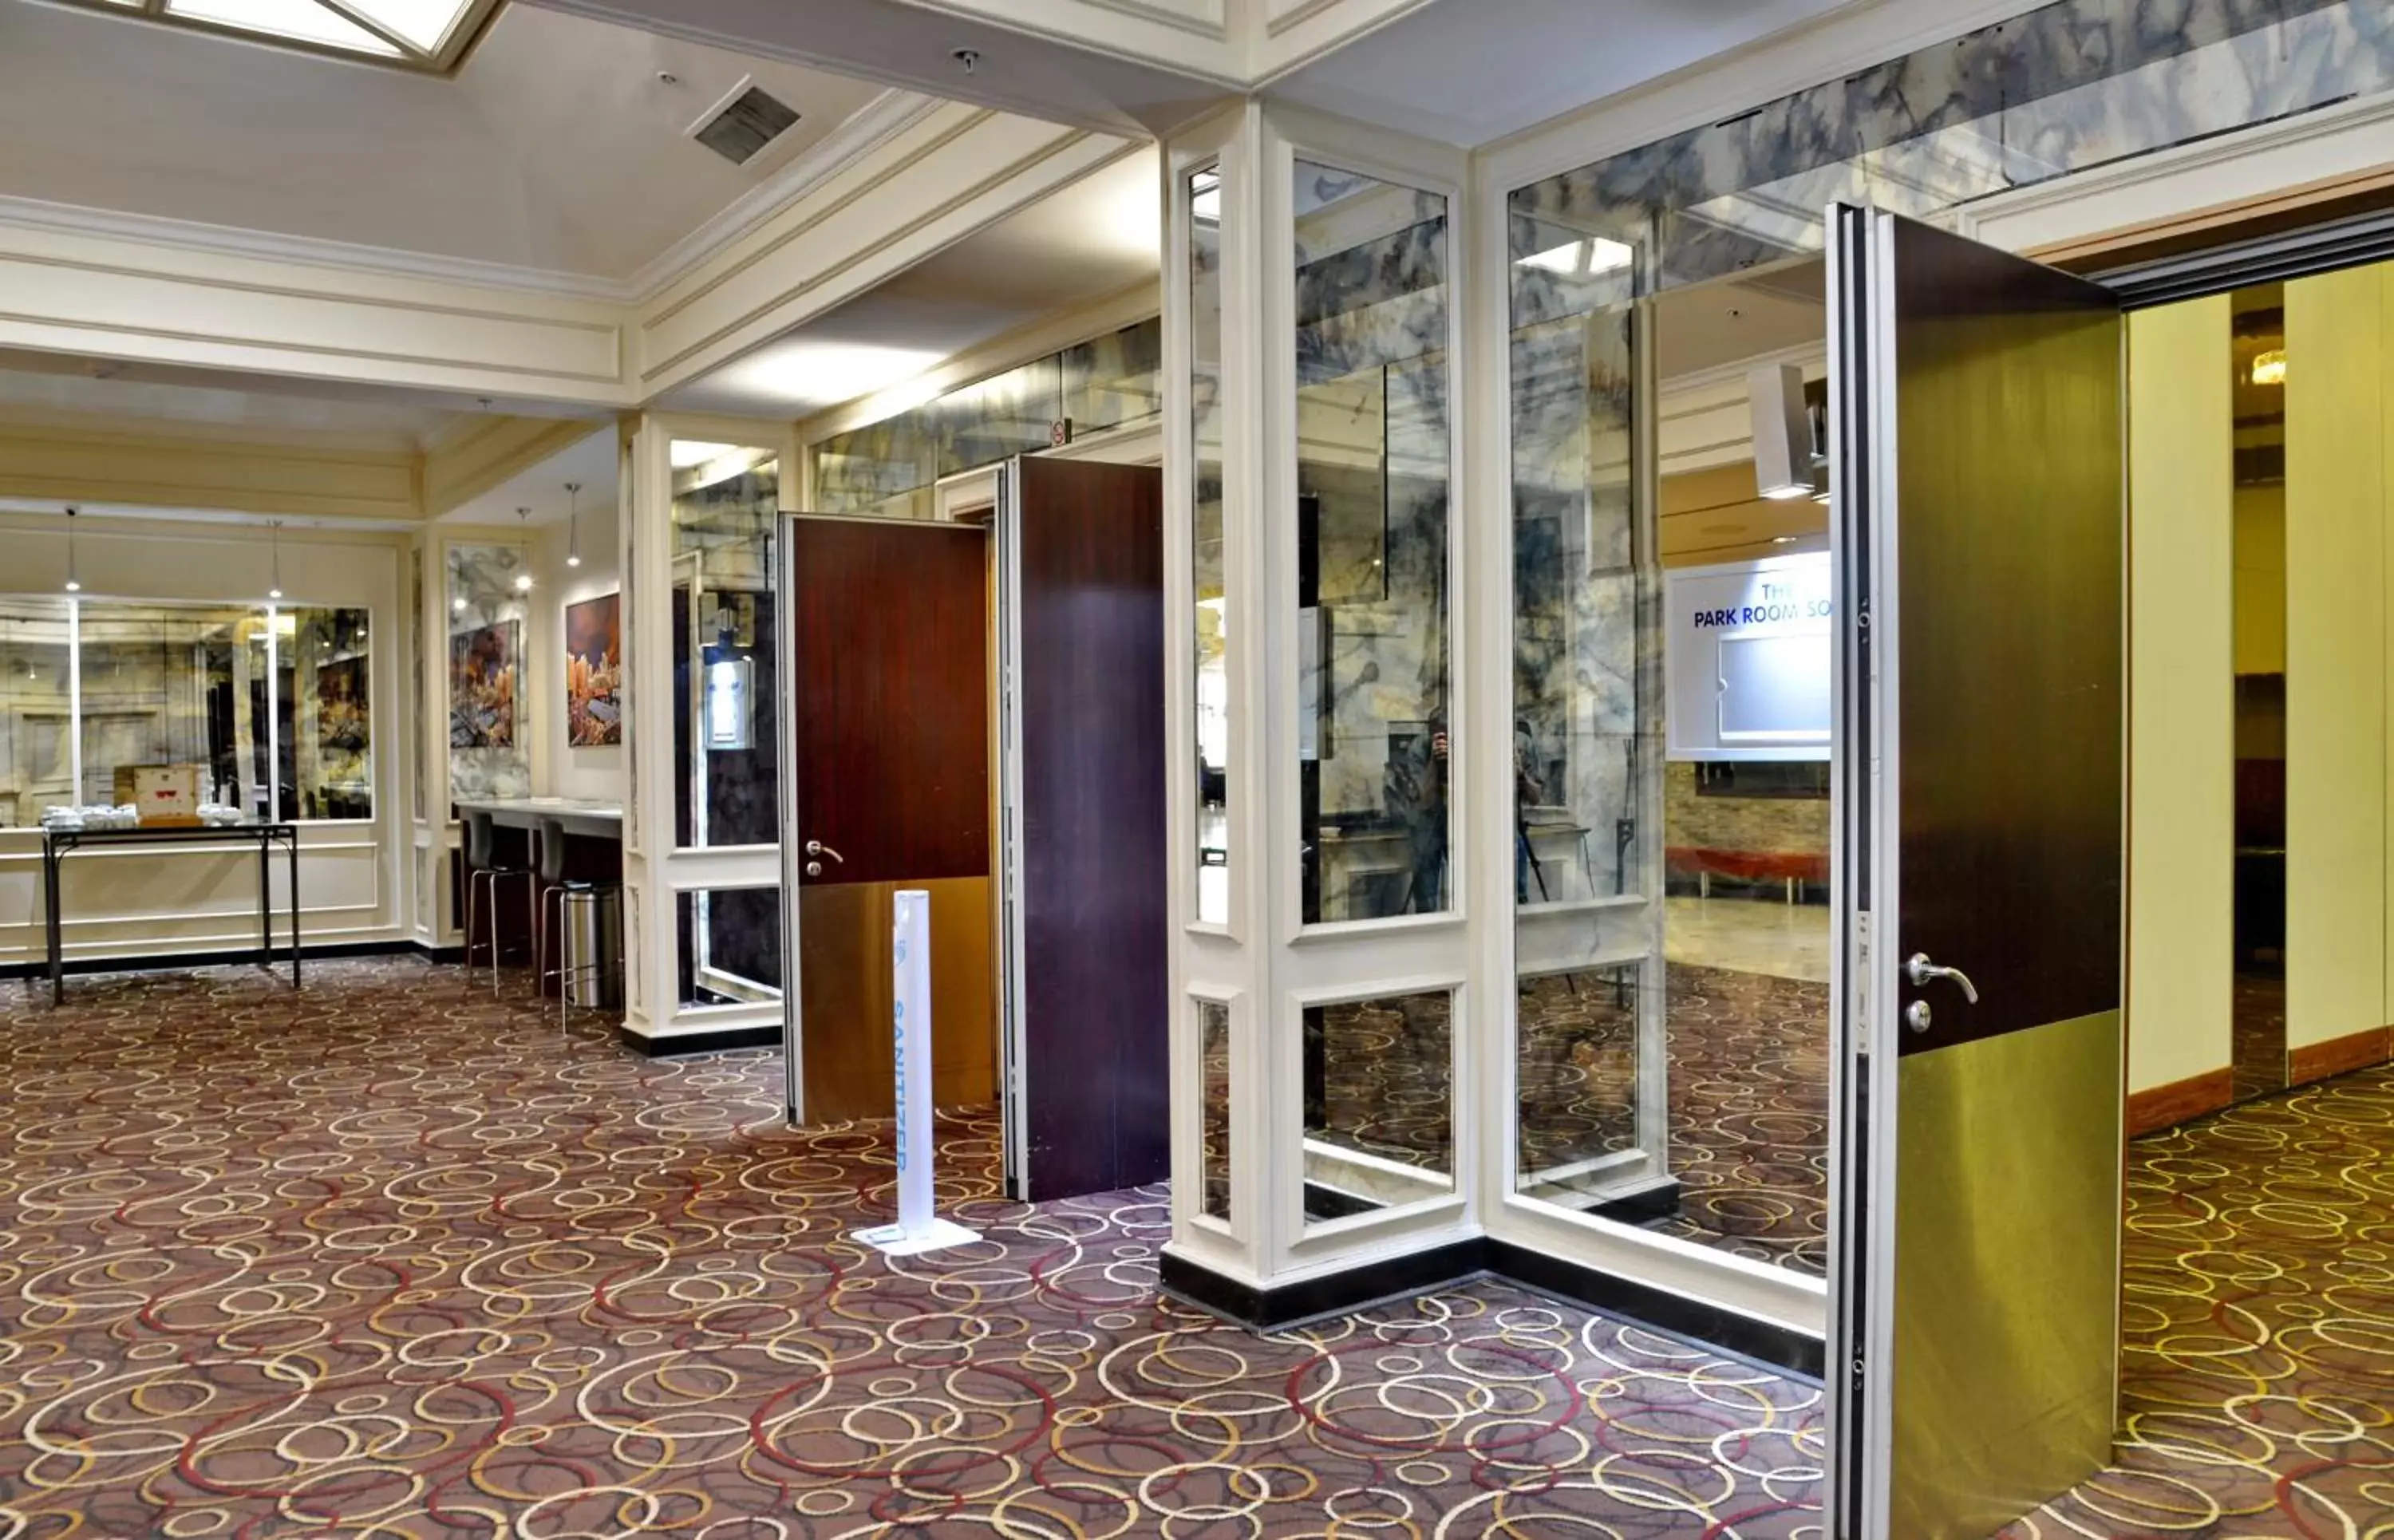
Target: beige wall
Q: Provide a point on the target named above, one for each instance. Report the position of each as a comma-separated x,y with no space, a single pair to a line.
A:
2182,714
2336,786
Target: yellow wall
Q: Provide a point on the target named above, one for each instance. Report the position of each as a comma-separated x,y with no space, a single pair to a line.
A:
2336,788
2181,712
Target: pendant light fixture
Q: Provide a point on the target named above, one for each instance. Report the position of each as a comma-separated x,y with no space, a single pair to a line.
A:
274,580
573,523
523,550
74,583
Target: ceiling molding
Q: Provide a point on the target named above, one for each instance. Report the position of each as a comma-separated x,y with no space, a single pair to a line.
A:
491,453
866,131
33,214
139,469
871,126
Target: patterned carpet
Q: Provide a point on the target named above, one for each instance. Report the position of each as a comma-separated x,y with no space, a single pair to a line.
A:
1749,1099
2258,1374
394,1259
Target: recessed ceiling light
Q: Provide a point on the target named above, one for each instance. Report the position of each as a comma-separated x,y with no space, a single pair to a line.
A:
1789,493
1782,540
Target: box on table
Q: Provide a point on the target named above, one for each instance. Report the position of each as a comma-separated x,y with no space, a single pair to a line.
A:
168,796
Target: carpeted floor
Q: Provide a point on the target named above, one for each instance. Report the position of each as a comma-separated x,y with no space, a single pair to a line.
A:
2258,1375
393,1258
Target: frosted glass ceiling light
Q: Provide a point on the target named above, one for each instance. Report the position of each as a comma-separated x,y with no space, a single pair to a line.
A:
419,34
74,583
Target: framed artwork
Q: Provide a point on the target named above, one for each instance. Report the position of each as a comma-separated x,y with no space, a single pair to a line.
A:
482,686
594,665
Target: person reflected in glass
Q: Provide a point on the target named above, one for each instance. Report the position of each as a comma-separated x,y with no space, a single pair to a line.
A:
1417,800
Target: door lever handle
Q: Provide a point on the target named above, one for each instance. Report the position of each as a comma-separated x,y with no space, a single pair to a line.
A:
817,847
1921,971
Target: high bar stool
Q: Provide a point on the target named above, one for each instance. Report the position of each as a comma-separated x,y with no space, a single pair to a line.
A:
575,891
482,863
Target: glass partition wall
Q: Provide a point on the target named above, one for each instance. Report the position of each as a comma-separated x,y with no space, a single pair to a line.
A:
271,704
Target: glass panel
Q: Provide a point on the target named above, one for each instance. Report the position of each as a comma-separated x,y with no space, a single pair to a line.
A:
2259,358
322,706
1213,633
730,945
422,23
1373,451
1670,854
489,728
725,504
1010,413
164,685
303,19
1114,380
37,769
859,471
2060,89
1378,1103
1214,1083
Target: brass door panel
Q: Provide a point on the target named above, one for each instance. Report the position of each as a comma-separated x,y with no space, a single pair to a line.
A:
2007,1181
845,996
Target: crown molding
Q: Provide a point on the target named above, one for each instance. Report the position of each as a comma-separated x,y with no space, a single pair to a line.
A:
867,129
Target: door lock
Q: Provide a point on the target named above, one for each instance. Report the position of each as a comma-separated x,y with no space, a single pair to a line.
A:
814,868
1920,970
1917,1016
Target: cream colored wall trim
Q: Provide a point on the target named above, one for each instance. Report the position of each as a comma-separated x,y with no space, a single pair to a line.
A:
2171,189
1295,32
487,452
123,298
142,467
1171,33
956,170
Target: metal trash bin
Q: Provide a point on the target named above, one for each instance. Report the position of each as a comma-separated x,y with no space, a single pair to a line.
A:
592,953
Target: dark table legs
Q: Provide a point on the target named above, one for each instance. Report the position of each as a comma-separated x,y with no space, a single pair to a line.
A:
292,845
50,924
54,854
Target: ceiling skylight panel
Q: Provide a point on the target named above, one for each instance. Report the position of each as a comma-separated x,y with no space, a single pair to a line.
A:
422,23
302,19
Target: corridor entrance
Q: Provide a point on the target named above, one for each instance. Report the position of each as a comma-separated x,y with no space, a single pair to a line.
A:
975,710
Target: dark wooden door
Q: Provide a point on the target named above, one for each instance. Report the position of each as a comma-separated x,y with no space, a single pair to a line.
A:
1092,998
1976,1192
890,664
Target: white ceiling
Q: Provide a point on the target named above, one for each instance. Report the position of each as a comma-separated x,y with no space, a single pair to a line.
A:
1090,241
591,463
555,147
1469,71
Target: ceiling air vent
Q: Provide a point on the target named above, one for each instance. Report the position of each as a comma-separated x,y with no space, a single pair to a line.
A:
745,124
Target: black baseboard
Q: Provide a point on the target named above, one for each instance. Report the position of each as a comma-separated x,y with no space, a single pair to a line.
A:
1332,1294
1761,1343
437,953
169,962
768,1035
1776,1348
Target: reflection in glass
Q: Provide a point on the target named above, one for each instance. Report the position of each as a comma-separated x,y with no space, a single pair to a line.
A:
729,944
159,686
490,724
1378,1103
1204,192
1213,1091
725,504
1576,1082
1373,446
37,765
323,713
2259,358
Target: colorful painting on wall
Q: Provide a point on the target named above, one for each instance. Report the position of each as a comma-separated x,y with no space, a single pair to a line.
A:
482,686
594,705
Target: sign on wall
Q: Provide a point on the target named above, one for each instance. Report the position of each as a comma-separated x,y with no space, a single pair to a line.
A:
1746,657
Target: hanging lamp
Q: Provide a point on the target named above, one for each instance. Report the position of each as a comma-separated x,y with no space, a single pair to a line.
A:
523,550
74,583
274,579
573,524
